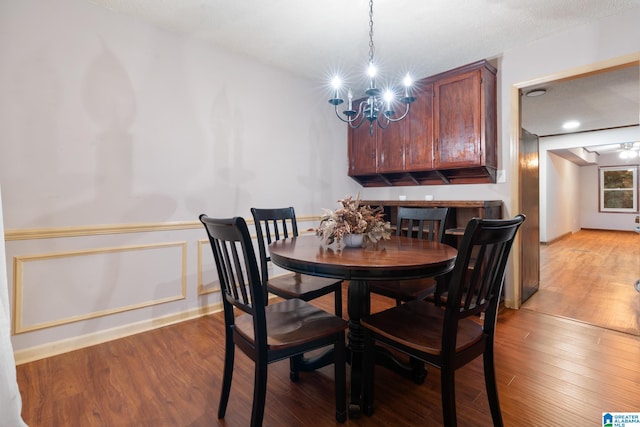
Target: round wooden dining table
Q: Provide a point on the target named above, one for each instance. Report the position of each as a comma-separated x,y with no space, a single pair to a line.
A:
398,258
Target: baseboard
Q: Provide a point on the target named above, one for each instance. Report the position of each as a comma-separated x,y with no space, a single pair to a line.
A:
562,236
75,343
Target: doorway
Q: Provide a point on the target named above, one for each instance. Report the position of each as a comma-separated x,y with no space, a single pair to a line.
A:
575,304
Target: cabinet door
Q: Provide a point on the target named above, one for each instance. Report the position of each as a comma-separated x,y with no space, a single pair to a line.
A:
419,138
391,141
362,150
457,127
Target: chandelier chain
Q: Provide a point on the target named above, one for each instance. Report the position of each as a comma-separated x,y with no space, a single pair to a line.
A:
371,46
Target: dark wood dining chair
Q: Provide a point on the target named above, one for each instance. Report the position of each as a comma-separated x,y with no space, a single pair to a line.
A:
266,333
280,223
450,337
423,223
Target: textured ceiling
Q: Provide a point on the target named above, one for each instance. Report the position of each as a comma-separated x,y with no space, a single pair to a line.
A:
315,39
424,36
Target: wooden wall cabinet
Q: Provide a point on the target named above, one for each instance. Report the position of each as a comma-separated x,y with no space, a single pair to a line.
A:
465,134
402,153
363,151
448,137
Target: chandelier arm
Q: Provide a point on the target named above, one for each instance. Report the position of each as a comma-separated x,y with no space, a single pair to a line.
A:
397,119
381,124
339,116
358,119
354,121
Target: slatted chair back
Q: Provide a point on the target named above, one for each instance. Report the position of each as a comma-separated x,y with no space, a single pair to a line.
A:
272,225
478,275
280,223
421,221
237,269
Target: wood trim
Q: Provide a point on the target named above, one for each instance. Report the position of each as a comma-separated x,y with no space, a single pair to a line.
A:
95,230
19,262
562,236
75,343
91,230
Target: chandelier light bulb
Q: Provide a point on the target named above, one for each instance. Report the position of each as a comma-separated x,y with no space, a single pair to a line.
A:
371,71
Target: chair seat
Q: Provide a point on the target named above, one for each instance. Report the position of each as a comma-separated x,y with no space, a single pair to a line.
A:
302,286
418,325
290,323
404,290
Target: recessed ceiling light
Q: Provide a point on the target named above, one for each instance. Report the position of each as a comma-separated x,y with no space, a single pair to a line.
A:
536,92
571,124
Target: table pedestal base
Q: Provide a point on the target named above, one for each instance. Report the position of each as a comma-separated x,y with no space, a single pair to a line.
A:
359,305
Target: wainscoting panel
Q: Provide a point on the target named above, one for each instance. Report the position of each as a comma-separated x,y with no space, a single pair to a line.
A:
72,287
58,288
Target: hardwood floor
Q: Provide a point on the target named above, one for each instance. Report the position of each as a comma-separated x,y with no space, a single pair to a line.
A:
590,276
551,371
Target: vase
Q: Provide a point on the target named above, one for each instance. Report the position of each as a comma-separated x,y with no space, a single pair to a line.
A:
353,240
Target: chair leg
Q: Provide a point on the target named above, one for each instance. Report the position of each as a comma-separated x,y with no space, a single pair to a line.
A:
369,369
227,375
340,378
294,367
448,386
491,385
259,393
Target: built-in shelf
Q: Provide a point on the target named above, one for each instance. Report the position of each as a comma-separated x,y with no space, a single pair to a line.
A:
460,212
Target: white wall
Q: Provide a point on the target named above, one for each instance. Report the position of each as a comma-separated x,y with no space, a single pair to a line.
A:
569,193
560,201
10,399
590,216
107,120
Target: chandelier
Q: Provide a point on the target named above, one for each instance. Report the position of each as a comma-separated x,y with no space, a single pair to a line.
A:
378,105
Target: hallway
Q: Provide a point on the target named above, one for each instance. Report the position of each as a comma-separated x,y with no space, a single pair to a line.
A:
590,276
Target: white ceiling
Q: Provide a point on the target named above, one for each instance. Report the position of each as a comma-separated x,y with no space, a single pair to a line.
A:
315,39
608,99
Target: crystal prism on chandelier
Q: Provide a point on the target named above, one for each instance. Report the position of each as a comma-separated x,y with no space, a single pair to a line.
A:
378,105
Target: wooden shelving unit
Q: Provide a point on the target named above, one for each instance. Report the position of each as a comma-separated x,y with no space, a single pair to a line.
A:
461,211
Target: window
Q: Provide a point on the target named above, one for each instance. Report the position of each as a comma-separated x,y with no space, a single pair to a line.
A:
618,189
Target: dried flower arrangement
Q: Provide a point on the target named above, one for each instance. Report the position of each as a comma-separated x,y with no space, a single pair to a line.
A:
353,218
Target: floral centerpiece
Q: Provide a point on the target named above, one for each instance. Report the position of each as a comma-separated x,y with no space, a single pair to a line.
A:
353,218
